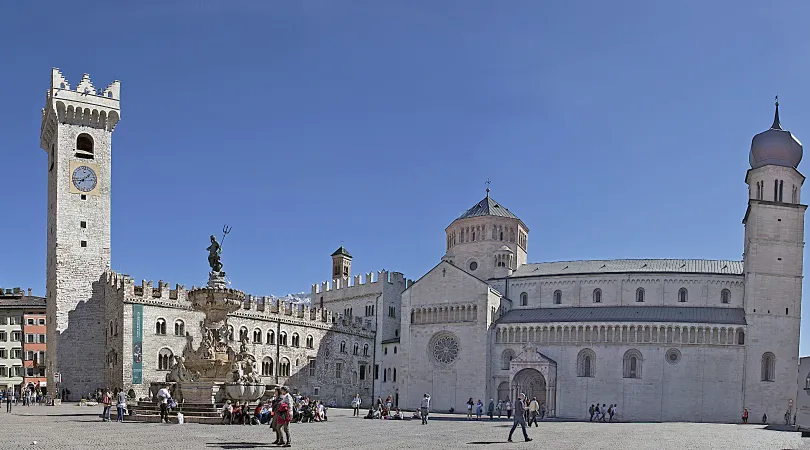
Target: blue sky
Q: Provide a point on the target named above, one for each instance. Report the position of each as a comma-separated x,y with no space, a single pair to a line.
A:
613,129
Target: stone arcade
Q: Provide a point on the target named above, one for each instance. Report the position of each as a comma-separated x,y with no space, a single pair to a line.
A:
664,339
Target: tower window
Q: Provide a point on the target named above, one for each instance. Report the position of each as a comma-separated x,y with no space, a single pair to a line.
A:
84,243
682,295
557,297
83,197
597,296
776,190
725,296
781,189
84,146
524,299
83,224
640,295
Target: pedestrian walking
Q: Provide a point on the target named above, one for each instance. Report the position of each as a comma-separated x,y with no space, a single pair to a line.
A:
520,407
534,410
356,402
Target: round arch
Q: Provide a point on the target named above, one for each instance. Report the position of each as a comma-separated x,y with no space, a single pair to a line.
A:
530,382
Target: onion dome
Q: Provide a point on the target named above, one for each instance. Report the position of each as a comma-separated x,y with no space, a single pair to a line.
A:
775,147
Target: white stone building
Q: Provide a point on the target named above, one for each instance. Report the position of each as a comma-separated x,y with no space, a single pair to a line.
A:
666,340
663,339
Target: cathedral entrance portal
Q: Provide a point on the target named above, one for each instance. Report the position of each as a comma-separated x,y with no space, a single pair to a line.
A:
530,382
535,375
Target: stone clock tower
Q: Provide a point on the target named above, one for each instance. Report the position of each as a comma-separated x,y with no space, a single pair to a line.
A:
76,133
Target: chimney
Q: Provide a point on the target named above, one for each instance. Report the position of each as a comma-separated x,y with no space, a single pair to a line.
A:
29,292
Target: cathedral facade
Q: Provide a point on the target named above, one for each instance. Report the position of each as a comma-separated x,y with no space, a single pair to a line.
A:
663,339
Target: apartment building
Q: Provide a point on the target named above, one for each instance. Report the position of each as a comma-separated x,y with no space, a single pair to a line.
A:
22,340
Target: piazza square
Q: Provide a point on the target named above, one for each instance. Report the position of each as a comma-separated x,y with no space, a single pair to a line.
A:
79,427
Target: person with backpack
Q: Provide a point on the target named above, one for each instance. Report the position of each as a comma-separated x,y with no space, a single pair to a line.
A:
163,399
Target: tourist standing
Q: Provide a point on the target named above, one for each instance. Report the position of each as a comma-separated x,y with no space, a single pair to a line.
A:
519,418
470,404
499,408
491,408
107,401
122,403
356,405
285,416
275,405
508,409
479,409
745,415
163,399
424,408
9,394
534,408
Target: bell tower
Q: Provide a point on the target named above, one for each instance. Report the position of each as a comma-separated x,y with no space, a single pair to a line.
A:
341,263
774,250
76,133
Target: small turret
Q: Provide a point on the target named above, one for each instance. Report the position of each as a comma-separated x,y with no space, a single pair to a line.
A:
341,264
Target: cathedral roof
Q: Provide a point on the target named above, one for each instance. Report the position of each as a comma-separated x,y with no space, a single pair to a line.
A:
488,207
342,252
722,267
679,314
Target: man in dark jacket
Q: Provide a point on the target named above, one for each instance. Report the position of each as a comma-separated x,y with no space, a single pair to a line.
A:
520,418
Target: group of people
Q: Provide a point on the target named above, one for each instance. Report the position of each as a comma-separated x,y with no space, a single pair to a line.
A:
28,397
117,397
282,409
600,413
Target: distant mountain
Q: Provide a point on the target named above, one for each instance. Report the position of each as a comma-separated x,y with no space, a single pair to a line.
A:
303,298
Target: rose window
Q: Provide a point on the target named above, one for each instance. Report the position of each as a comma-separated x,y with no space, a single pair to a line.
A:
445,348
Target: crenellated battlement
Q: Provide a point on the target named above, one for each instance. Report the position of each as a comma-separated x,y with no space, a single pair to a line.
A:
360,282
253,307
83,106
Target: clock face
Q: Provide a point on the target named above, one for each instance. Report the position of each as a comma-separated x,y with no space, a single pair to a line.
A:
84,178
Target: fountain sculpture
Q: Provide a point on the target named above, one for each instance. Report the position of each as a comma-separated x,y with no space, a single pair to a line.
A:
215,371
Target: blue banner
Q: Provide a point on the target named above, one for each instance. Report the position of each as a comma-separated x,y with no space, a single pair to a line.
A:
137,344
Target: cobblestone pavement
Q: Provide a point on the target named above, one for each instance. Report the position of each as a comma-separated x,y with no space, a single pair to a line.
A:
80,427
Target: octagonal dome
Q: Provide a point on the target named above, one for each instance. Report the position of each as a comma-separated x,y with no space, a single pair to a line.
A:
775,147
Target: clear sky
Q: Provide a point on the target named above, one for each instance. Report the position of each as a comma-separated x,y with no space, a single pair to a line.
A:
613,129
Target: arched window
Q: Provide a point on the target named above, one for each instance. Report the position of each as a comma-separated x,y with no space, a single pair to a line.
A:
506,359
243,334
365,350
740,337
558,297
683,295
342,346
524,299
230,333
395,374
597,295
271,337
296,340
284,367
160,327
725,296
356,349
585,362
282,338
310,341
84,146
164,359
267,366
640,295
768,366
179,328
257,336
632,364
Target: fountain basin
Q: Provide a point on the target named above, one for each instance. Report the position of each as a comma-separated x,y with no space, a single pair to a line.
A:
216,302
241,392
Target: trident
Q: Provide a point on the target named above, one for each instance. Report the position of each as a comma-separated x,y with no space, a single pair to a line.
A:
225,230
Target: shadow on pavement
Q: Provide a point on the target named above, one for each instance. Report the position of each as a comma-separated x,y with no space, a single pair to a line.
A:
239,445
